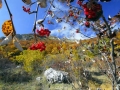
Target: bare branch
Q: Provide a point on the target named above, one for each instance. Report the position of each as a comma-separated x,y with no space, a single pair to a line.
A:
34,27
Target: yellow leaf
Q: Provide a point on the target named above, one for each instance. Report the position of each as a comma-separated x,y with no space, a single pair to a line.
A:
7,27
0,3
27,1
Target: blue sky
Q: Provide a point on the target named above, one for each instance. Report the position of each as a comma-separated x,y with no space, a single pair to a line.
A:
24,22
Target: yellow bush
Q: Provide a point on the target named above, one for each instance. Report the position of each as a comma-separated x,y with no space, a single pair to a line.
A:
106,86
28,57
118,35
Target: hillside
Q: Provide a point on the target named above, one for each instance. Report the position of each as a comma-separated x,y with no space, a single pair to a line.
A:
19,68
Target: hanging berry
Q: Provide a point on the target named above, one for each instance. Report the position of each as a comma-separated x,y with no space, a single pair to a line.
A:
33,47
80,2
75,16
50,22
93,11
43,32
41,46
25,9
71,13
46,32
77,31
87,24
38,46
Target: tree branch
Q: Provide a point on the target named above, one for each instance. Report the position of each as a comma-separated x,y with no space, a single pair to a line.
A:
10,14
34,27
112,57
112,52
33,3
108,26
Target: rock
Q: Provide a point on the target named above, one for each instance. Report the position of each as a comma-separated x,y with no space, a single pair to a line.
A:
54,76
19,66
118,87
38,78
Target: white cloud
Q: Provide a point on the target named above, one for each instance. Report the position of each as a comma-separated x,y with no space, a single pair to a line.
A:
59,6
67,31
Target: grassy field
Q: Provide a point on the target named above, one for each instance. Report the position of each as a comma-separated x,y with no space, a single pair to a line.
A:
35,85
13,78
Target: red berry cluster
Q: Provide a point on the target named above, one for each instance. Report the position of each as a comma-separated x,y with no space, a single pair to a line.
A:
26,9
87,24
71,13
94,12
80,2
38,46
43,32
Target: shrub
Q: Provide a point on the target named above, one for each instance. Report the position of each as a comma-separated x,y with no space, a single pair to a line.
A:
28,57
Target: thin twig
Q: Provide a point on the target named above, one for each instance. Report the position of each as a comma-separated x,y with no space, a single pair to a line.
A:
105,63
33,3
51,4
32,12
74,27
99,66
36,13
79,31
34,27
108,26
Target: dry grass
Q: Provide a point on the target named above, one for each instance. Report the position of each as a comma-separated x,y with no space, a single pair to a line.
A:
8,69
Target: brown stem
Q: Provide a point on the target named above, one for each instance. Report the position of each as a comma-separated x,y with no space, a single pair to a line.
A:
108,26
109,65
10,14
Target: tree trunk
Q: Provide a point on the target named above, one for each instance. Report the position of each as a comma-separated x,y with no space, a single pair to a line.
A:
113,85
114,77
